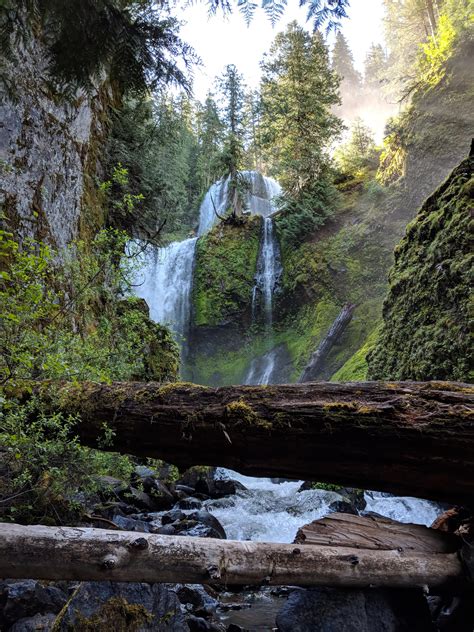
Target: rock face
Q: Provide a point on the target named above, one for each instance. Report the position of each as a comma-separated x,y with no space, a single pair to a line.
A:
49,148
425,334
371,610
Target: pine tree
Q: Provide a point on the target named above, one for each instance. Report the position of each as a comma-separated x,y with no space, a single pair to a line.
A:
360,152
232,90
210,131
298,91
343,62
375,67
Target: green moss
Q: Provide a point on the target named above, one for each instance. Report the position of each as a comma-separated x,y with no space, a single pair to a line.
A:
355,369
425,333
240,411
116,614
226,261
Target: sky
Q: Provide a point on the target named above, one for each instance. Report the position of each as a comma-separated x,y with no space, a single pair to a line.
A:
220,40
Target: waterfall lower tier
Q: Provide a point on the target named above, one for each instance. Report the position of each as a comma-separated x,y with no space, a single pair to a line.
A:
268,273
167,284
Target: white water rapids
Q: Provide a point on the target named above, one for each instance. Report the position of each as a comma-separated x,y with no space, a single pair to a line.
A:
273,512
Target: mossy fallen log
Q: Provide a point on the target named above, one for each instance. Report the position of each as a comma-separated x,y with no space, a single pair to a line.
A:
403,437
85,554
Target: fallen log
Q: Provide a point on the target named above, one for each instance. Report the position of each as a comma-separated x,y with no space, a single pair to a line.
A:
85,554
377,533
315,365
402,437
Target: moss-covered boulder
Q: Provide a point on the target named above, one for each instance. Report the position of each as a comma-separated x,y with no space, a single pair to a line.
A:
226,261
425,334
157,354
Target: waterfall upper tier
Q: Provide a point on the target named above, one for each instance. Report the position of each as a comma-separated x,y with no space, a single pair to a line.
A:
260,199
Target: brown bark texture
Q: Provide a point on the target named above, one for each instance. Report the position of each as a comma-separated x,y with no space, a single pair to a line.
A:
86,554
403,437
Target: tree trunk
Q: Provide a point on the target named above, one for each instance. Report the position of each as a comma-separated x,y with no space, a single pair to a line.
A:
407,438
316,363
84,554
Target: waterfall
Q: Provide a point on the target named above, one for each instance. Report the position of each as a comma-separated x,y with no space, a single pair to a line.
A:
167,283
165,280
268,272
214,200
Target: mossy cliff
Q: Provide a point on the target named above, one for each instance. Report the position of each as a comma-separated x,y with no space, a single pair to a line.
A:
425,333
226,260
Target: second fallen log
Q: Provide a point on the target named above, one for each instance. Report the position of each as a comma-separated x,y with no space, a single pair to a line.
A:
66,553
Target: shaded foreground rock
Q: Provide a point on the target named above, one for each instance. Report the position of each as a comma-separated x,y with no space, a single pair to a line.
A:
131,607
341,610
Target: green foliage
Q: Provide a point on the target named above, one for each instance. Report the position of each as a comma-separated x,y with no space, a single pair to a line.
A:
44,472
62,315
298,91
359,154
226,261
426,327
156,143
134,41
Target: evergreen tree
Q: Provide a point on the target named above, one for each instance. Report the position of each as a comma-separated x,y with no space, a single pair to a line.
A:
343,62
209,130
232,90
375,67
253,125
298,91
360,152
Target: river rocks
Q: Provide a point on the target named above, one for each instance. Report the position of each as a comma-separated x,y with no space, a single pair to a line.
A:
121,607
189,503
346,610
37,623
27,598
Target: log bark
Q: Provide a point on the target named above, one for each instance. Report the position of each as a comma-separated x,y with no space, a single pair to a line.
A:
407,438
85,554
376,533
316,363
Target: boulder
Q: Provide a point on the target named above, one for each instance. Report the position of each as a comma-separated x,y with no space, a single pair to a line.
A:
189,503
122,607
197,597
26,598
350,610
37,623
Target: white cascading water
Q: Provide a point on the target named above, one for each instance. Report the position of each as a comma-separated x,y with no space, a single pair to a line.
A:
273,512
165,280
167,283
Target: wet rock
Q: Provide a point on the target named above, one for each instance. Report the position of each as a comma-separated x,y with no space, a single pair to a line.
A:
355,496
110,487
222,503
342,506
121,607
226,487
189,503
198,624
348,610
129,524
172,516
236,628
206,518
203,604
200,478
161,496
185,489
140,500
37,623
26,598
